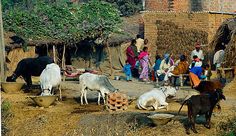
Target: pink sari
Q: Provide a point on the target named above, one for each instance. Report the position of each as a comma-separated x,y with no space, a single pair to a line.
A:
143,58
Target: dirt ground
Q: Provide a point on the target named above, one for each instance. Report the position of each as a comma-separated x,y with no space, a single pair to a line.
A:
69,118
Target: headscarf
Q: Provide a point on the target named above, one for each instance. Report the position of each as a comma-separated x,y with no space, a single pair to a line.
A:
167,57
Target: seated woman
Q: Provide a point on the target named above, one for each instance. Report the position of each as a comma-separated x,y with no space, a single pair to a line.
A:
180,68
165,65
157,66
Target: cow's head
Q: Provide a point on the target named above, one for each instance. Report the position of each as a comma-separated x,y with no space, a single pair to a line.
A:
12,78
170,91
220,95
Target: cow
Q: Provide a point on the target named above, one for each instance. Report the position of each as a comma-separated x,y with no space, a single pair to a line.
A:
156,98
200,105
30,67
93,82
210,87
49,78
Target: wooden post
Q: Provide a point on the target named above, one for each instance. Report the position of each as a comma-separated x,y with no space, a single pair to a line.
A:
54,54
110,59
63,61
2,46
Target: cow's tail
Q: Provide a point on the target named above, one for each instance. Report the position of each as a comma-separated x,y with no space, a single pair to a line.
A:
182,105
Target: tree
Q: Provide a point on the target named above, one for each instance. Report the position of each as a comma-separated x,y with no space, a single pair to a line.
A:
98,20
64,22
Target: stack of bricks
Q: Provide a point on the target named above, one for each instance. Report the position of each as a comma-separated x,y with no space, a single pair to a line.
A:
117,102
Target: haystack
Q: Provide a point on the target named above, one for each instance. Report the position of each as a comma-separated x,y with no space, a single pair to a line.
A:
225,37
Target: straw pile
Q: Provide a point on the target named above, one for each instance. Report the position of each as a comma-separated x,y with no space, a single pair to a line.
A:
176,40
226,34
230,53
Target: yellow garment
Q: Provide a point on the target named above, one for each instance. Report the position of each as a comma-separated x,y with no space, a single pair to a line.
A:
181,68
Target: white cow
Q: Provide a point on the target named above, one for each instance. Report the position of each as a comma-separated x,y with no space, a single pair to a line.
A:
49,78
156,98
93,82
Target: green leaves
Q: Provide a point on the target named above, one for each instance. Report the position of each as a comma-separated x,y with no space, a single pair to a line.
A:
60,21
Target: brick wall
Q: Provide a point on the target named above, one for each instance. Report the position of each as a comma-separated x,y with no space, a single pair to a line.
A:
203,23
160,5
191,5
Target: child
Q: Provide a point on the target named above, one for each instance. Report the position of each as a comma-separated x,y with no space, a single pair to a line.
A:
207,71
127,71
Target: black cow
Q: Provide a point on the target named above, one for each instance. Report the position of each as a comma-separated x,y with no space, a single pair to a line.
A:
30,67
202,104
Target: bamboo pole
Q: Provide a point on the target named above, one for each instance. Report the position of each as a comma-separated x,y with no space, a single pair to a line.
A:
54,54
110,59
2,46
63,61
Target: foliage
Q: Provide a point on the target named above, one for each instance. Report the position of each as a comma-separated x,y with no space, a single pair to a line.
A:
229,128
62,21
5,115
45,21
98,19
127,7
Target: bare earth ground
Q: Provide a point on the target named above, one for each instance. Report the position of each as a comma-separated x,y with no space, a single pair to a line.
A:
69,118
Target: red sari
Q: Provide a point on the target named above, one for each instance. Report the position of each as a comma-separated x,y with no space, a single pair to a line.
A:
130,57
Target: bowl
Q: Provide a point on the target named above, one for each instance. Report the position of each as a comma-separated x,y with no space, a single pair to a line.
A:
44,101
161,119
10,87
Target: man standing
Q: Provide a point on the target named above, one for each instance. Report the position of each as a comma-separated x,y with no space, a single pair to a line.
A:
197,52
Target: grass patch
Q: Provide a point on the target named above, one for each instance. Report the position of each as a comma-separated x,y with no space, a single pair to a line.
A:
228,128
5,115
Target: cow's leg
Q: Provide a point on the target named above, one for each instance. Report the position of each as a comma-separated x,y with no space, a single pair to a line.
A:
82,94
208,119
85,95
99,96
193,124
103,97
28,81
191,117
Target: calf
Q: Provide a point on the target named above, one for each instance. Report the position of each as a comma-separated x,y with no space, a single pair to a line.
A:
30,67
156,98
89,81
209,87
49,78
202,104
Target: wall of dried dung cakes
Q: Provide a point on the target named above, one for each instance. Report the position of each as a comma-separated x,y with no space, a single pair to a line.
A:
173,31
177,32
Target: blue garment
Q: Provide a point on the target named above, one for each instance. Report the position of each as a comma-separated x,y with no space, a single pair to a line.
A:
127,71
197,71
157,65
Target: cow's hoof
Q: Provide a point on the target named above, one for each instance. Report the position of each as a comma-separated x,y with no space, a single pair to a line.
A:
207,126
195,131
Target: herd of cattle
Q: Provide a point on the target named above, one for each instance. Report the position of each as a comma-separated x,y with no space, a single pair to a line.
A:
50,77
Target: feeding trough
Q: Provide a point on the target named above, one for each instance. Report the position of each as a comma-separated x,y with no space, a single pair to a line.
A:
11,87
161,119
44,101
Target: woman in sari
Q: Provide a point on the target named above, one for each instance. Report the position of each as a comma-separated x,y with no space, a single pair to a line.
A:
131,53
144,59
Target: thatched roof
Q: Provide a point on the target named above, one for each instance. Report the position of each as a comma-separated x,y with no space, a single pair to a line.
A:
130,28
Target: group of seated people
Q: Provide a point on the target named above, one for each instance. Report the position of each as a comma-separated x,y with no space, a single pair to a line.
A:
166,69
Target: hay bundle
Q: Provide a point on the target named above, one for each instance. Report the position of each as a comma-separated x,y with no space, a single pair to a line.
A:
230,53
226,35
177,40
